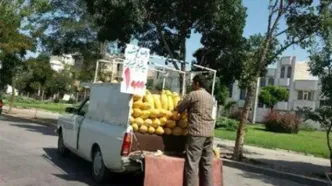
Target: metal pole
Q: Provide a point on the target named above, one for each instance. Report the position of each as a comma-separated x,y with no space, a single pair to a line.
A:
254,110
96,72
183,84
164,80
214,82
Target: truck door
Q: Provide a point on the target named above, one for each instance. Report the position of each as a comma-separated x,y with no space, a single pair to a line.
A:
76,122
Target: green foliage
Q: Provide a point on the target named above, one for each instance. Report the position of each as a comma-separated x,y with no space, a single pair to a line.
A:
227,123
307,142
164,26
322,115
271,95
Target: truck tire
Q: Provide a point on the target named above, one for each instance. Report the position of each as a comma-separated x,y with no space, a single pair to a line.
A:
62,149
99,171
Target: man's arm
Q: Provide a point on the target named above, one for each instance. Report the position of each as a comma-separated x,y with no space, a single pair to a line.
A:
184,104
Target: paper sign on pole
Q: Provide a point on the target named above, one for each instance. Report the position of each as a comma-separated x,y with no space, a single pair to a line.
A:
135,70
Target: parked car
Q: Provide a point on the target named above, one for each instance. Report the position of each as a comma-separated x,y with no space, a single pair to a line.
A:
1,105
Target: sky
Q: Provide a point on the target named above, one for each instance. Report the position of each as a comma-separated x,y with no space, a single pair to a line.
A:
256,22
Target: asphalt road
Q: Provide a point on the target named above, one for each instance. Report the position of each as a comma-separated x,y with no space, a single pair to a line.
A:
28,158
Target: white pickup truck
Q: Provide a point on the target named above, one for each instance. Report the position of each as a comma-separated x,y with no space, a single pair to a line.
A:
99,131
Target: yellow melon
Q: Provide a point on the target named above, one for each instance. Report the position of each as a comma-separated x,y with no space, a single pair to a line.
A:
163,121
151,130
168,93
182,123
170,124
162,112
156,122
157,103
148,122
175,115
143,129
137,112
176,100
160,131
167,131
137,97
177,131
137,104
170,103
139,121
145,106
169,114
148,98
154,113
131,120
164,101
135,127
145,114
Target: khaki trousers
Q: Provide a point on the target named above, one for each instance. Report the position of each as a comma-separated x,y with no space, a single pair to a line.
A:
198,160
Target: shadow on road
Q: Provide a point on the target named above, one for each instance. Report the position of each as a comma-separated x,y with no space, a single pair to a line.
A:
297,167
269,180
31,126
77,169
46,130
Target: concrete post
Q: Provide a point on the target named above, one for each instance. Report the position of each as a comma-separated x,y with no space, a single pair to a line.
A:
254,110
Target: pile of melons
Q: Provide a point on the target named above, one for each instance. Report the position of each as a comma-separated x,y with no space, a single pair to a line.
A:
155,114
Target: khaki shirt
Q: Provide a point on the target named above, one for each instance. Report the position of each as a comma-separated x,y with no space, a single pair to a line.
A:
199,104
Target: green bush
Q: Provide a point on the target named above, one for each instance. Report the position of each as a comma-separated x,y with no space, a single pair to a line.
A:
227,123
283,123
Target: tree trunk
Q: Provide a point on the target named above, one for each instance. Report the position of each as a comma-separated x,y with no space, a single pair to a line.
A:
42,94
238,149
39,91
12,98
328,131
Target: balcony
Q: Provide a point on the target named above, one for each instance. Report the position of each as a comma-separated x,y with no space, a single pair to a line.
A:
304,103
286,61
284,82
306,85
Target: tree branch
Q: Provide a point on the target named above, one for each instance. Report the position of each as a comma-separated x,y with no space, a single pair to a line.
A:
162,36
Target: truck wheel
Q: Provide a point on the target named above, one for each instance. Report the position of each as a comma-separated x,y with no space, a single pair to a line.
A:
99,170
62,150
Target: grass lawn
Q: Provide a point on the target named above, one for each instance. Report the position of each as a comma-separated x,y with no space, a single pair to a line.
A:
309,142
53,107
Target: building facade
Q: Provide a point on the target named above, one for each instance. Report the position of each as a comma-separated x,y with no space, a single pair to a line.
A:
304,90
58,63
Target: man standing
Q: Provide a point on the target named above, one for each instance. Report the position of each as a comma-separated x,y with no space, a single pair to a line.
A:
199,149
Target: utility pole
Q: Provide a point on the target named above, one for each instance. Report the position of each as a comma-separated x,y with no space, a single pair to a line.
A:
254,110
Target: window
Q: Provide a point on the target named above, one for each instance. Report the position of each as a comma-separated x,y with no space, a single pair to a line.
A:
282,72
118,68
289,72
242,94
271,81
84,108
262,82
260,105
303,95
300,95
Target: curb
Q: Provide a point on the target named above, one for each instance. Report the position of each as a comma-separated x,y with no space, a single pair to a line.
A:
275,173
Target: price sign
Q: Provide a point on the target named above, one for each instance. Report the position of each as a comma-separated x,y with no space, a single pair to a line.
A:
135,70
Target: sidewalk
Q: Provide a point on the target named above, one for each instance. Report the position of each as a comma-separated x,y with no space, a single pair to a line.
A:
280,159
34,114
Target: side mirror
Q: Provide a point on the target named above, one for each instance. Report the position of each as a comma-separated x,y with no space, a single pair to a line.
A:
70,110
